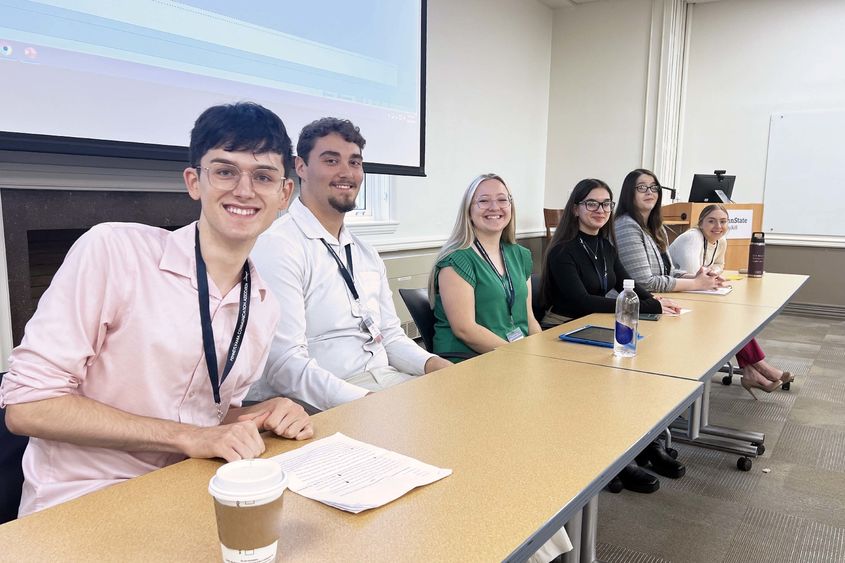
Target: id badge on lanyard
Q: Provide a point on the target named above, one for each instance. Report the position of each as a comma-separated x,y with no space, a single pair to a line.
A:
514,334
208,343
507,284
368,324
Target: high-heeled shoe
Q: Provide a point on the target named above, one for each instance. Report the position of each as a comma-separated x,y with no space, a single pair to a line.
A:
750,385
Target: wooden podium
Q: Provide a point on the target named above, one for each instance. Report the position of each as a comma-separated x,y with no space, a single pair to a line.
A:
678,217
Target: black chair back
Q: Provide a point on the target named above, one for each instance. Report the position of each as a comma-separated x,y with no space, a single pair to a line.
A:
537,305
12,447
416,300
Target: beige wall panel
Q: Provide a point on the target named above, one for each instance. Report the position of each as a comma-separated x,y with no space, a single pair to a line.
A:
825,266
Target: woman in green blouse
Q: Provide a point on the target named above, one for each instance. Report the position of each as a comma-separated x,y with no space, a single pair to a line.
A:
480,286
480,289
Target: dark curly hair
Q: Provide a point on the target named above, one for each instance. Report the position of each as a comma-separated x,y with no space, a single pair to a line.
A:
326,126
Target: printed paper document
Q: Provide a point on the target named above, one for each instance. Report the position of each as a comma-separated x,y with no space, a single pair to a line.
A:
717,291
352,475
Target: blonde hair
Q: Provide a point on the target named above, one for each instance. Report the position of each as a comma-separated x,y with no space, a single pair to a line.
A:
710,209
463,233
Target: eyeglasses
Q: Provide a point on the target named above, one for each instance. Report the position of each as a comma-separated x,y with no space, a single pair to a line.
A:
642,188
502,202
593,205
227,176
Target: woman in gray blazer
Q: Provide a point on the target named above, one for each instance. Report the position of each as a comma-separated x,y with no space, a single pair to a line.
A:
641,239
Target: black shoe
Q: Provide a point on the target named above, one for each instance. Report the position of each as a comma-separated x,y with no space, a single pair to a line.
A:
661,462
615,486
635,479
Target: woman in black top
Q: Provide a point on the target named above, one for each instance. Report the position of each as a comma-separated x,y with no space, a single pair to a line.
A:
579,269
581,265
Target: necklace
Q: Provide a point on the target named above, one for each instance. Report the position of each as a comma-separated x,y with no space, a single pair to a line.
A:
602,276
590,251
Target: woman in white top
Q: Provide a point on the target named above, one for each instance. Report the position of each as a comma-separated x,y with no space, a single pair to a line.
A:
703,245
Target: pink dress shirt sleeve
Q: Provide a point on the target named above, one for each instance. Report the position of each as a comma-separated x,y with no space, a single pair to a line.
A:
68,330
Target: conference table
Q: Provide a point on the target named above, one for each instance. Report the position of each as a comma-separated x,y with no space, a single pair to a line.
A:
691,346
531,441
532,431
771,290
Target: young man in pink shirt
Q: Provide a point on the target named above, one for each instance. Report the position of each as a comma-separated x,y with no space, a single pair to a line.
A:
147,340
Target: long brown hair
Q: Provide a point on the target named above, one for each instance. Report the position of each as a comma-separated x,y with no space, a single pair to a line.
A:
568,228
654,224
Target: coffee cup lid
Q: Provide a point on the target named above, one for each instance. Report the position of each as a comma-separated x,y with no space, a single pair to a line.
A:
248,481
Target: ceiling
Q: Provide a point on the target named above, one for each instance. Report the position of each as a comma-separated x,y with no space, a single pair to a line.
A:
564,3
572,3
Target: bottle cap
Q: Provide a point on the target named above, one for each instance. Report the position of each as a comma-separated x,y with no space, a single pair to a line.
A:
628,284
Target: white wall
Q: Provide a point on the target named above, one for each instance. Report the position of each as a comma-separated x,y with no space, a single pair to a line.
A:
597,99
488,90
747,60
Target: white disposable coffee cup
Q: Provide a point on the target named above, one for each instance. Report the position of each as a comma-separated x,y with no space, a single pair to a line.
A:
248,505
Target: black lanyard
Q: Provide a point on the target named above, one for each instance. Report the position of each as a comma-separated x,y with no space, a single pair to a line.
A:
510,292
345,273
599,248
704,254
207,331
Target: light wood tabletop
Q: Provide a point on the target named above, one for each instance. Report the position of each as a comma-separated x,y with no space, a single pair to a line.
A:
772,290
530,440
690,346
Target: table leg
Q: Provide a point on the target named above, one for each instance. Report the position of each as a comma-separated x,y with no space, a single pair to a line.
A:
573,529
694,423
589,524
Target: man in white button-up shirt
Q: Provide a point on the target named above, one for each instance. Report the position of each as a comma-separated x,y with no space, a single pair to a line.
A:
330,346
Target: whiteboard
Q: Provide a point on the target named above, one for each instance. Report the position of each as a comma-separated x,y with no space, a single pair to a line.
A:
804,192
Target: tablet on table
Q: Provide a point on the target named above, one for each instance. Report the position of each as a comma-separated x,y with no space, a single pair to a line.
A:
590,334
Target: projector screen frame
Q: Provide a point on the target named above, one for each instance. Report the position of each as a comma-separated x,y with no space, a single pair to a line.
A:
77,146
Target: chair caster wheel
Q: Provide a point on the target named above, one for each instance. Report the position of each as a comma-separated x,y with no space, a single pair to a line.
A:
743,464
761,449
673,453
726,380
786,386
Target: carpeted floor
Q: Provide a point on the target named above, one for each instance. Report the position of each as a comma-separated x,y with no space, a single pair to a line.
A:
794,512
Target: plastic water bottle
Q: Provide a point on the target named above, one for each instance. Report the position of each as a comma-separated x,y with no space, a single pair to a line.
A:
627,318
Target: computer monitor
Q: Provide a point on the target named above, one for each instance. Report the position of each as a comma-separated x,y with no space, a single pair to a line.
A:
704,188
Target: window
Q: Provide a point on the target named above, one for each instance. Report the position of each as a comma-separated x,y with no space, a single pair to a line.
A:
373,212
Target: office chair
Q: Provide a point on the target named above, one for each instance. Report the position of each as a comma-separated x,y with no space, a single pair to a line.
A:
416,300
536,299
12,447
537,305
